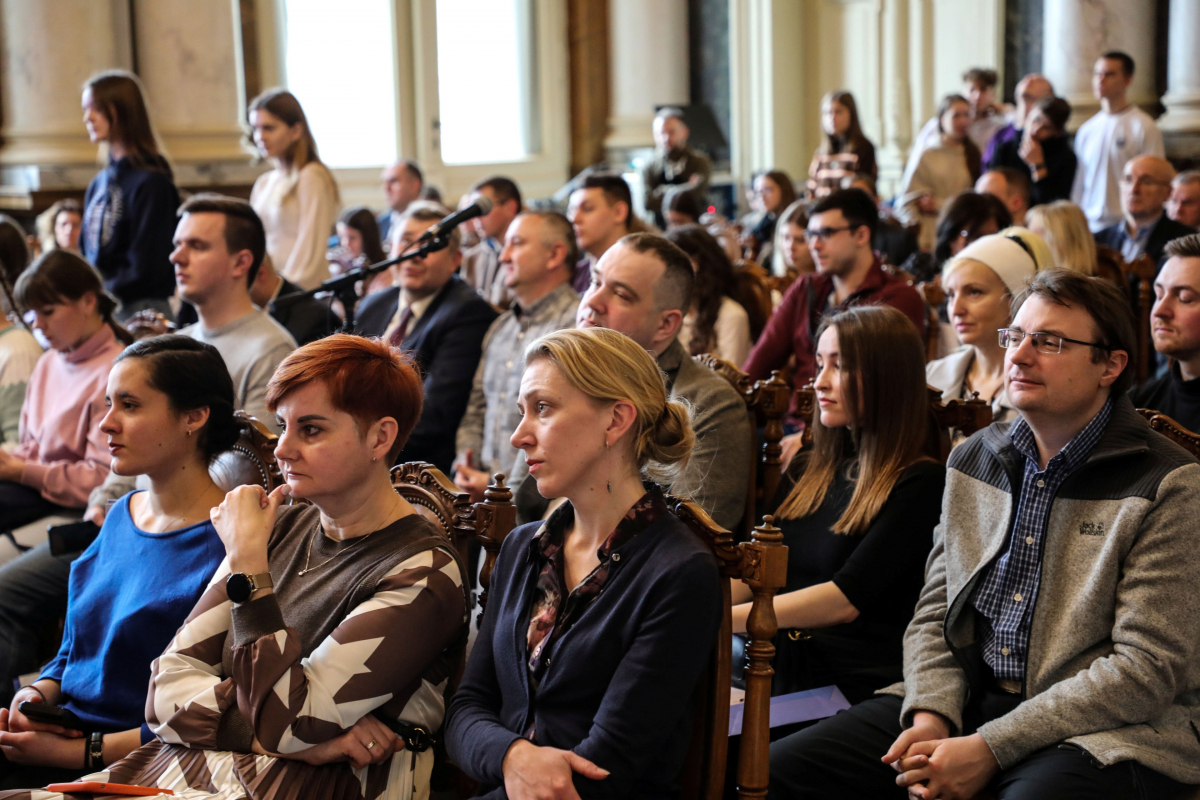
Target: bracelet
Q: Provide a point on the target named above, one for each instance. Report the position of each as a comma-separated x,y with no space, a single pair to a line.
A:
39,692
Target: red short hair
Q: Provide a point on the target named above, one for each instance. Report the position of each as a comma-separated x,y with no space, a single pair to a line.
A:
367,378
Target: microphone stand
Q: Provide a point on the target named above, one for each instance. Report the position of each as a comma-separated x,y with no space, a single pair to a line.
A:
344,286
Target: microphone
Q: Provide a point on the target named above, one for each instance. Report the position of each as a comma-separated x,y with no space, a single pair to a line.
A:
481,206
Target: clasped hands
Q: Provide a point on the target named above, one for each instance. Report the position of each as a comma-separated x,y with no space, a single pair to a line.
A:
935,766
24,741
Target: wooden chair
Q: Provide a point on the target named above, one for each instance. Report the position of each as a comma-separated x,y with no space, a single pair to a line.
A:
251,460
1172,430
762,564
933,295
767,402
1136,278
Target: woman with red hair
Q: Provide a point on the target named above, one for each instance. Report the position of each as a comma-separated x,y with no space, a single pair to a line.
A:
332,625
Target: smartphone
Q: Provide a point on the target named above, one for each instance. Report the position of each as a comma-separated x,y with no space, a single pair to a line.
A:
94,787
51,715
72,537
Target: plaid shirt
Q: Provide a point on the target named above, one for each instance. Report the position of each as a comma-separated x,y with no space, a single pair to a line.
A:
1008,591
554,610
492,415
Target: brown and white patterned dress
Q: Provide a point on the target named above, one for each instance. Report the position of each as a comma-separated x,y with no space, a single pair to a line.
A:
375,629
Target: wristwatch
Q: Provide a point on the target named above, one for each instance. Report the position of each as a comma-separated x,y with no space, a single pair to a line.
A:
240,586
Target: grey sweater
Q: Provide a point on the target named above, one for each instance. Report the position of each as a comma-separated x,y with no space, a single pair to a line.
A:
1114,642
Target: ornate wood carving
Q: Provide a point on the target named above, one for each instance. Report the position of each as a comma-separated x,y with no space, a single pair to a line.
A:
493,519
1172,430
250,460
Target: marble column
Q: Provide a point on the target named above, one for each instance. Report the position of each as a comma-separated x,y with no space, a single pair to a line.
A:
189,59
48,48
649,66
1183,70
1077,32
896,95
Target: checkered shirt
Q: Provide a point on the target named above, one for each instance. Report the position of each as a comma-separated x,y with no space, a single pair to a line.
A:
1008,591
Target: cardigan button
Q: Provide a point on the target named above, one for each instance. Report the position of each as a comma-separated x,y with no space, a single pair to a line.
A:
616,556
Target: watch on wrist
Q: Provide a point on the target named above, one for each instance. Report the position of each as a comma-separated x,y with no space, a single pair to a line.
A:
95,751
239,586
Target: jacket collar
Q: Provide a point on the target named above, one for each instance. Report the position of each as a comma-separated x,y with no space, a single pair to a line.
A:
1125,435
872,282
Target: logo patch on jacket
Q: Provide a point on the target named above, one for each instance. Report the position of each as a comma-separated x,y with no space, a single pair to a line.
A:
1091,529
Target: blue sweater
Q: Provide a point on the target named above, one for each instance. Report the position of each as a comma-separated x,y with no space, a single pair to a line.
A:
129,592
618,684
128,224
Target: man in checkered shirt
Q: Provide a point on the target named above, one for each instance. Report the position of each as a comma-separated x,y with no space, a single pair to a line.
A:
1055,650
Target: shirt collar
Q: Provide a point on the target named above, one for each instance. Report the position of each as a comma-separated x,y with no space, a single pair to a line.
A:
649,507
1076,451
1143,233
545,306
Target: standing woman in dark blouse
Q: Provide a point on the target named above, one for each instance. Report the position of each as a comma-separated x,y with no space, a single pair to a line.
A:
857,509
129,208
842,133
599,621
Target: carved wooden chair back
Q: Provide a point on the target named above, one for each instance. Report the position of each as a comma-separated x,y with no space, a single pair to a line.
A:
1172,430
766,401
251,460
1139,276
761,563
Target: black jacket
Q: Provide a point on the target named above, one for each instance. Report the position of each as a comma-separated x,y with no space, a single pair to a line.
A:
1165,230
128,224
617,685
307,320
447,343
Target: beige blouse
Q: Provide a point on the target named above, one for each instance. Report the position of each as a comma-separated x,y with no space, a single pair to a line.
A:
298,211
732,330
942,173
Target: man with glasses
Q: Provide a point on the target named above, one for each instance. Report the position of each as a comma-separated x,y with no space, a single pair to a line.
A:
1054,650
849,273
1146,228
1119,132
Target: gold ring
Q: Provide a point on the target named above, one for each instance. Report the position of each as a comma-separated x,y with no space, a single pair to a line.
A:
370,745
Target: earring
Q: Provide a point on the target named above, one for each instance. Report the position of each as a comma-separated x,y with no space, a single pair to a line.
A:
189,433
608,447
373,460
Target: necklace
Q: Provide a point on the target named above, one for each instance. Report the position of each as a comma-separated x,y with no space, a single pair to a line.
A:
308,556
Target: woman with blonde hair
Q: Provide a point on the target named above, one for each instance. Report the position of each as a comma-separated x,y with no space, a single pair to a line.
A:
599,621
980,283
857,510
129,208
1064,228
297,200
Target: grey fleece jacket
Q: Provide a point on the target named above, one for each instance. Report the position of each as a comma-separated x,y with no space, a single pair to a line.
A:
1114,642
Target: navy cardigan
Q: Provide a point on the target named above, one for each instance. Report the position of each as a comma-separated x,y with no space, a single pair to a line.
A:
618,685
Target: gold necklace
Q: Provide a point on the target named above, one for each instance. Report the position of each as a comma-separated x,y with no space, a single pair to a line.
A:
308,556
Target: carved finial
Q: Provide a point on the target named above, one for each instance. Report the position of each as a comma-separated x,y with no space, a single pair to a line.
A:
497,491
766,532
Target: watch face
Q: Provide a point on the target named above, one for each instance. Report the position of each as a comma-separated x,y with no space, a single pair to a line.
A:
237,586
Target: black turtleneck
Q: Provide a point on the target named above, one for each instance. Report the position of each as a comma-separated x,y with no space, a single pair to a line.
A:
1173,396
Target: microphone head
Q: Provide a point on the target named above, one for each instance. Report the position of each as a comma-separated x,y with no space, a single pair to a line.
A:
483,203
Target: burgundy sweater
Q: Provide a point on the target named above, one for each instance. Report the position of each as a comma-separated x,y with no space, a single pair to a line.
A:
792,327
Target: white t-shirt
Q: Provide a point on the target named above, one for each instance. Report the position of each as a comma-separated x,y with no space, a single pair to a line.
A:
1103,145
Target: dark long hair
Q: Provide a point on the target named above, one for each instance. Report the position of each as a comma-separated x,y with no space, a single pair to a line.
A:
974,157
192,375
61,276
714,280
14,257
118,95
787,189
967,212
854,141
362,220
882,360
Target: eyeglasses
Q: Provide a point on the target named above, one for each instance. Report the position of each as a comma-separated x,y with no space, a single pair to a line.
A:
825,234
1047,343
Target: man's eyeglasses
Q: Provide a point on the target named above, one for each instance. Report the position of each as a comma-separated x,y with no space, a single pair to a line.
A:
825,234
1144,180
1047,343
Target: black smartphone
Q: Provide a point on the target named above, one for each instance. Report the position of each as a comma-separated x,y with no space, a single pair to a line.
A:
51,715
71,537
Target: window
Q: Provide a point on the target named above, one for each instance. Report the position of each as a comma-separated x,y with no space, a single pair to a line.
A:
484,80
340,65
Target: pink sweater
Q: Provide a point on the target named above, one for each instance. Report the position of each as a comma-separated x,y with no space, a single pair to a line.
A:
66,455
